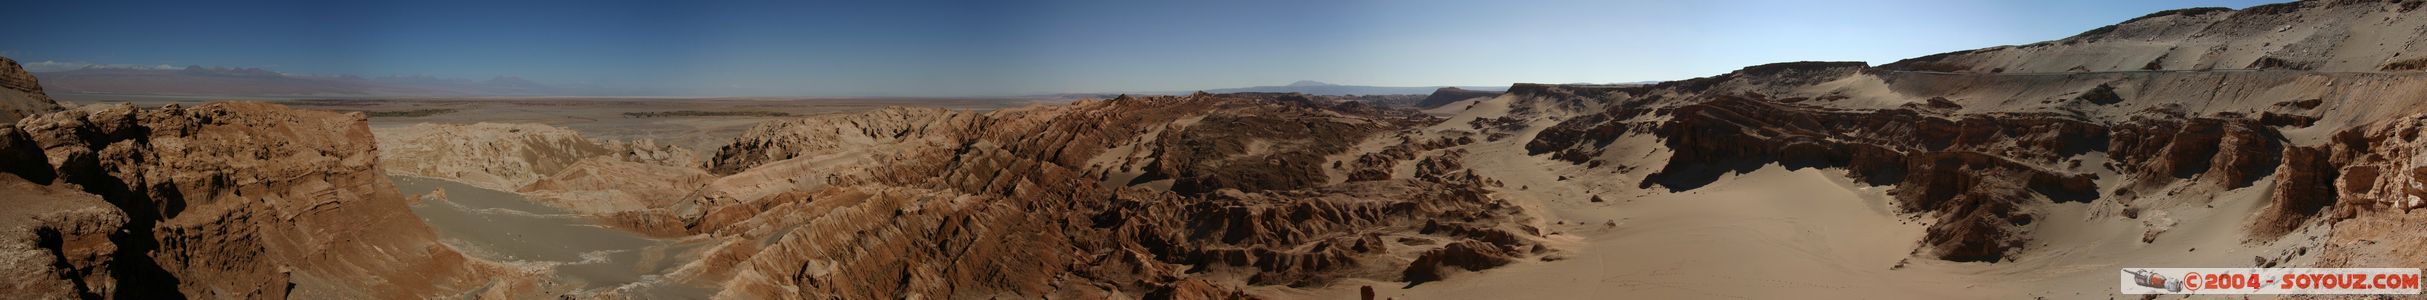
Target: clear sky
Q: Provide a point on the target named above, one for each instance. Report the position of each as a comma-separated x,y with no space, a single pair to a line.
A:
963,48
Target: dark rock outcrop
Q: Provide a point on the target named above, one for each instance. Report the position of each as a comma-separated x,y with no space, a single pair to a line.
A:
20,94
1468,255
1447,95
1977,174
1253,151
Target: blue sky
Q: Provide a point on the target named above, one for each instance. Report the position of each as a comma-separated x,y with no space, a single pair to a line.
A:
965,48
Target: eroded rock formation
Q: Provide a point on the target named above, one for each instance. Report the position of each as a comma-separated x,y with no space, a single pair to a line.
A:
225,200
1135,196
20,94
830,135
1142,196
507,156
57,242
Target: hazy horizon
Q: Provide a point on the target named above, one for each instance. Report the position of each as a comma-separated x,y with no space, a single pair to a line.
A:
944,48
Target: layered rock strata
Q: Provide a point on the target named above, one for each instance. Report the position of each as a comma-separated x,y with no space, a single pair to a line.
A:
225,200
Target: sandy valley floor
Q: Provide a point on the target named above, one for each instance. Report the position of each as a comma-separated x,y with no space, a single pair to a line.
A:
1809,233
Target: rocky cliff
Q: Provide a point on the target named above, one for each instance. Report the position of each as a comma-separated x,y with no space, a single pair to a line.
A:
20,94
225,200
57,242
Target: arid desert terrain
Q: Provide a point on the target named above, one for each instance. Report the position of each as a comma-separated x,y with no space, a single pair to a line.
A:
2282,135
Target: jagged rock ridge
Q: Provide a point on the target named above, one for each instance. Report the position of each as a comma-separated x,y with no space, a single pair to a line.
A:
1447,95
504,156
225,200
20,94
1158,197
2337,36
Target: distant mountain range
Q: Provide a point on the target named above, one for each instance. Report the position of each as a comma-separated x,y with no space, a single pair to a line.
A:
1320,88
1309,87
223,81
220,81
